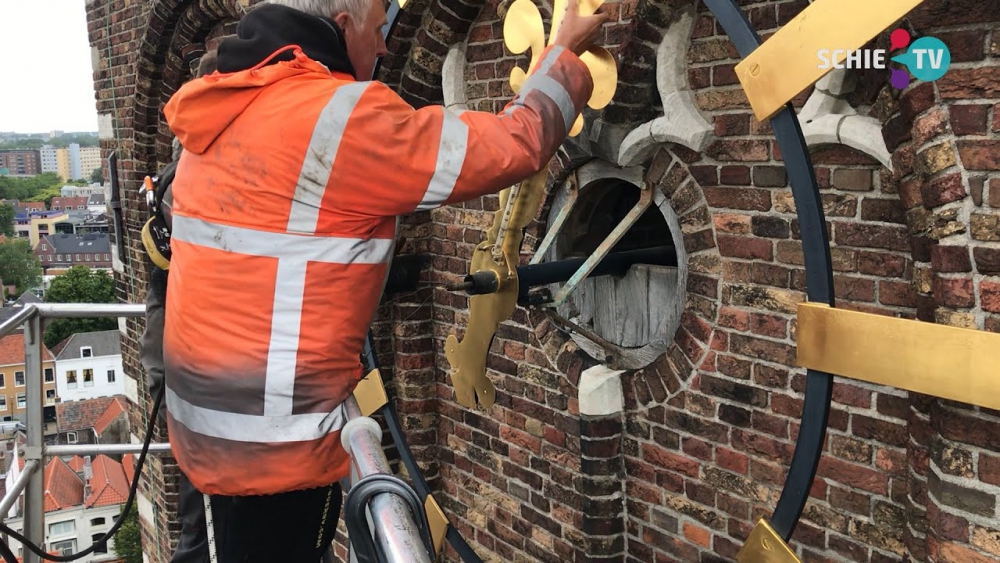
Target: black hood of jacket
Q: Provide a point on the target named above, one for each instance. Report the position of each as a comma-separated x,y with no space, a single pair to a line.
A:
271,27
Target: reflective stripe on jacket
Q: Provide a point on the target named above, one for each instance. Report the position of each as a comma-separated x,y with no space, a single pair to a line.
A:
285,205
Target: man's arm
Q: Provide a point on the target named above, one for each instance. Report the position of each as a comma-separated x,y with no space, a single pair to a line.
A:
421,159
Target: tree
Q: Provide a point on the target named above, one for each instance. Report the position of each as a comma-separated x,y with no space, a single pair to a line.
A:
7,213
27,188
97,176
79,284
128,540
19,266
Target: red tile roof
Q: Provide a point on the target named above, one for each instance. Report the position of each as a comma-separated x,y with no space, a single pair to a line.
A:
63,487
114,410
81,415
128,464
109,486
76,463
12,350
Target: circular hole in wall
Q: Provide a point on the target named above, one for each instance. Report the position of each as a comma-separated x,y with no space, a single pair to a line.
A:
637,313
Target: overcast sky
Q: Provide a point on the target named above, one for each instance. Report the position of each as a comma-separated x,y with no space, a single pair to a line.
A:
46,79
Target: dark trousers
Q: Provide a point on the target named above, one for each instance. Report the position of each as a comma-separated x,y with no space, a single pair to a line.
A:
295,527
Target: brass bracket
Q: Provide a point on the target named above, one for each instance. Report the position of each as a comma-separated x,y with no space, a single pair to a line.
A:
438,522
765,546
788,62
370,393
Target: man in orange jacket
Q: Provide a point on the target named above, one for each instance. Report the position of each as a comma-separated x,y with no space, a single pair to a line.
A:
286,197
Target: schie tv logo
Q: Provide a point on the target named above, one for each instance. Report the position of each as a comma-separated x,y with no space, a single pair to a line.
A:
928,59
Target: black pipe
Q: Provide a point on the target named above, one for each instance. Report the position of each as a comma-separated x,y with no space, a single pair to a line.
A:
534,275
614,264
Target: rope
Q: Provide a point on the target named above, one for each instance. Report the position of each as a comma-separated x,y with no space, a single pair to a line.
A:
210,528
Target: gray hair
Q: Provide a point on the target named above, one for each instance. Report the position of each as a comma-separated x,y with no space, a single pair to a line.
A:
357,9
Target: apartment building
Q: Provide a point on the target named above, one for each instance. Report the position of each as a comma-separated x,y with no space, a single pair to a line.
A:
89,365
20,162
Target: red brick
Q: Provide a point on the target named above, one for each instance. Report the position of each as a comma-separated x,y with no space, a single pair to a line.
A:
969,119
732,223
734,176
732,124
964,46
950,259
745,247
738,198
697,534
943,190
738,151
955,553
929,126
980,155
989,469
669,460
847,394
994,198
909,193
700,78
769,325
917,100
987,260
899,294
731,460
857,476
704,27
854,289
881,264
989,293
954,292
969,83
734,318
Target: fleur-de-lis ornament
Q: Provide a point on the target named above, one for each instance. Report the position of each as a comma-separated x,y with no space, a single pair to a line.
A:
523,29
497,256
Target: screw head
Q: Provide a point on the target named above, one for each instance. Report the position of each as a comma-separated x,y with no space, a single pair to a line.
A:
755,70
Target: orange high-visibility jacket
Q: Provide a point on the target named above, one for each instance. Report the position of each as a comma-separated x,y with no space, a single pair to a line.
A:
285,206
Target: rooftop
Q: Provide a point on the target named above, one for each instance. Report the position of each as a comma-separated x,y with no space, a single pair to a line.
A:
12,350
101,343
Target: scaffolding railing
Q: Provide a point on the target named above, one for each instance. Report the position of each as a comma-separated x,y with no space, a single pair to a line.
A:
393,524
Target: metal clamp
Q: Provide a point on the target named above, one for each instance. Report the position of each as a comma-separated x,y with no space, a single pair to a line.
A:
355,515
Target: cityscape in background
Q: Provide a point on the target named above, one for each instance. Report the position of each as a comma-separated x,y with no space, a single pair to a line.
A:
59,220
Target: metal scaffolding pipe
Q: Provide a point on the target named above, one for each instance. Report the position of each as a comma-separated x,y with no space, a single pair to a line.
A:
34,498
85,310
394,527
106,449
12,495
17,320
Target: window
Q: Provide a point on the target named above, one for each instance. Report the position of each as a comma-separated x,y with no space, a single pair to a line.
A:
99,548
50,375
67,547
50,395
2,384
71,437
71,379
86,352
107,257
3,402
86,257
62,528
77,257
21,401
88,378
19,378
49,257
97,522
59,257
111,376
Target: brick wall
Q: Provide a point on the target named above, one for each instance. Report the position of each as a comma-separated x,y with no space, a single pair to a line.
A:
703,446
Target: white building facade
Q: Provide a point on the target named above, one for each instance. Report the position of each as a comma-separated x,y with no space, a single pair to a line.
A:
89,365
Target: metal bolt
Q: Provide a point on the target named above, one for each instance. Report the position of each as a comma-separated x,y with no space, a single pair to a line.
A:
755,70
